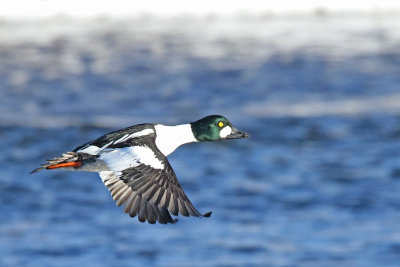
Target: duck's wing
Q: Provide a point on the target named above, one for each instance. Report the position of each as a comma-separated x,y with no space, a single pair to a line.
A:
117,139
126,137
142,179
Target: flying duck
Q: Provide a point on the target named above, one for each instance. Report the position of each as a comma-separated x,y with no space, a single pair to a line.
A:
133,165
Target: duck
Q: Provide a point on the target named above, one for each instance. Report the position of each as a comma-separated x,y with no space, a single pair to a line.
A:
133,165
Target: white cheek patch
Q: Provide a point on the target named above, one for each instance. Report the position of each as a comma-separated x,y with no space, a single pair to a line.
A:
225,132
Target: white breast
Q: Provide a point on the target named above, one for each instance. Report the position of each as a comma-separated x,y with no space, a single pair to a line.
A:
171,137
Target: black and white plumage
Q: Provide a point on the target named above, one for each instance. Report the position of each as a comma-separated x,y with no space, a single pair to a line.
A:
133,165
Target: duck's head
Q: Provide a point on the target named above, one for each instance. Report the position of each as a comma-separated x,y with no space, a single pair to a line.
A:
215,127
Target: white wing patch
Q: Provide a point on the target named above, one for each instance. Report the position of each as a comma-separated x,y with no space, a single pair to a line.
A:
92,150
137,134
225,132
95,150
120,159
122,139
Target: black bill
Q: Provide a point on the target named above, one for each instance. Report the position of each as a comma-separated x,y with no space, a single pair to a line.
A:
235,134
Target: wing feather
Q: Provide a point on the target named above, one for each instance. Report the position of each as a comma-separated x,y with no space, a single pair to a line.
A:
129,202
135,207
143,180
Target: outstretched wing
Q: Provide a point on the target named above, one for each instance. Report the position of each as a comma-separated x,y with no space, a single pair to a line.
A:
143,180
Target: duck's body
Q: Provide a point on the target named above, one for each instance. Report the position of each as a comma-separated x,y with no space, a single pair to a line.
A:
133,164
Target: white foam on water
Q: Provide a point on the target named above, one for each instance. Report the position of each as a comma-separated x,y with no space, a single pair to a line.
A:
39,8
249,41
313,108
385,104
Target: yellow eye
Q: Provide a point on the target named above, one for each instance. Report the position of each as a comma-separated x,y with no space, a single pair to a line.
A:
220,124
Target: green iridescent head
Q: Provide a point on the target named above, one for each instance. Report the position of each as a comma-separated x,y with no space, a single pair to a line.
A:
215,127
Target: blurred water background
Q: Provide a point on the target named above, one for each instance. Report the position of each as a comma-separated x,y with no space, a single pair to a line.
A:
317,184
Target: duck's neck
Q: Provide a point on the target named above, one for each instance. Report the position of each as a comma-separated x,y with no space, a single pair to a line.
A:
170,138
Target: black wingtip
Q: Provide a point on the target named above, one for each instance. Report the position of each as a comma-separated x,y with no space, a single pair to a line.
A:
172,221
36,170
208,214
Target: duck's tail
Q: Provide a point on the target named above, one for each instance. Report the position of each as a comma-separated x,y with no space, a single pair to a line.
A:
69,159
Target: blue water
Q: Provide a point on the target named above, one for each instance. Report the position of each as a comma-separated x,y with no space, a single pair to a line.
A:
316,184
